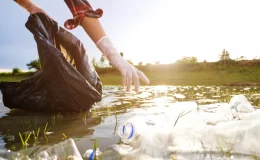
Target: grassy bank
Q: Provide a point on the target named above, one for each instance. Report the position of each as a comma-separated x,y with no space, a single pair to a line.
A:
189,78
204,73
216,73
12,78
212,77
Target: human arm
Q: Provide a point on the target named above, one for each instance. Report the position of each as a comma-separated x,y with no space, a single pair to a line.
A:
30,6
129,73
87,18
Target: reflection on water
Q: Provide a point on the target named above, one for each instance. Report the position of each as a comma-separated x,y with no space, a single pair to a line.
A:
101,122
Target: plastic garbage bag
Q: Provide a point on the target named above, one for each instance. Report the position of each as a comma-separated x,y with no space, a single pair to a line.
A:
67,80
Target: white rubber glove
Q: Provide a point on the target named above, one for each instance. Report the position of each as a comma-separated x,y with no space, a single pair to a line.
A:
129,72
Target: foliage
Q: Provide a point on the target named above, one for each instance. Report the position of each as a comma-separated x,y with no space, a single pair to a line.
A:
187,72
224,55
94,62
241,58
35,64
140,63
179,75
103,63
25,139
102,59
16,70
187,60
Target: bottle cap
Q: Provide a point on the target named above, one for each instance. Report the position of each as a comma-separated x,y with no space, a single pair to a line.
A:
126,130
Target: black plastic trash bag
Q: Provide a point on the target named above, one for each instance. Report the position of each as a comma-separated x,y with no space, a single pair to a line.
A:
67,80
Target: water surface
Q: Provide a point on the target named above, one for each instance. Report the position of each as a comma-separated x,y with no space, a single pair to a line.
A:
101,122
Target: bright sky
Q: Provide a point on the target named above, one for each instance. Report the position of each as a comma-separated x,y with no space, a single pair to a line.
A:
146,30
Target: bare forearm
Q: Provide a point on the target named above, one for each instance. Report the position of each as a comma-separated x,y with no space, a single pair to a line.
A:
93,28
30,6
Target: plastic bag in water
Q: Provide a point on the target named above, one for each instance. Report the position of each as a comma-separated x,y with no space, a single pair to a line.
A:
61,151
64,150
67,80
241,104
194,138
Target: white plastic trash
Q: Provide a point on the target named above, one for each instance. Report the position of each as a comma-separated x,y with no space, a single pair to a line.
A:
64,150
131,129
241,104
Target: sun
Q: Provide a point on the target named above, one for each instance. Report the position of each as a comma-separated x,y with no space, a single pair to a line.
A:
158,39
149,47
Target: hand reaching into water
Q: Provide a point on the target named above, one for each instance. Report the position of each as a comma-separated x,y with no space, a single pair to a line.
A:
129,72
84,15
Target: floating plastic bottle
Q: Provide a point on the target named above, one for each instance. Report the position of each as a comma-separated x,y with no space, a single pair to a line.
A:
91,154
132,128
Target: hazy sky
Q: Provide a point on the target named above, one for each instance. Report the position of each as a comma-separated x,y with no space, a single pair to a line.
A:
146,30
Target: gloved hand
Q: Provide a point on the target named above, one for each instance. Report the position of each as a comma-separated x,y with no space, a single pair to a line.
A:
129,72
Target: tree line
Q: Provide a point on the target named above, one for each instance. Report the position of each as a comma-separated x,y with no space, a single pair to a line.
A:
224,58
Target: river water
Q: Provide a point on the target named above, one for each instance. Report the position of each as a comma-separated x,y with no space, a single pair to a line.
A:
103,119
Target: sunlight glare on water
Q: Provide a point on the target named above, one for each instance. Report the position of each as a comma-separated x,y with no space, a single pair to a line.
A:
116,107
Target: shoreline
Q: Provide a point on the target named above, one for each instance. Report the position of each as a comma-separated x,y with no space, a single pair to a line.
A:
115,79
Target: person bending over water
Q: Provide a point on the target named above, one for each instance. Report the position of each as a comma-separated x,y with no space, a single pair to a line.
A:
84,15
66,81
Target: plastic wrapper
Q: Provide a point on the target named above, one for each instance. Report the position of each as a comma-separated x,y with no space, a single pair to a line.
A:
67,81
61,151
202,132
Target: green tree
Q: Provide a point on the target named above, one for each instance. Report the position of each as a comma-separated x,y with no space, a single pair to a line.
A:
102,61
224,55
140,63
241,58
157,62
186,60
94,62
16,70
34,65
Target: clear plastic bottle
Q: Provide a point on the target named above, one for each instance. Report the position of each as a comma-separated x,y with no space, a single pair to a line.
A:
91,154
131,129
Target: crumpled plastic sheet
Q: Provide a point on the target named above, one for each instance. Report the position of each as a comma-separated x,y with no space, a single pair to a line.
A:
204,132
61,151
230,130
67,80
